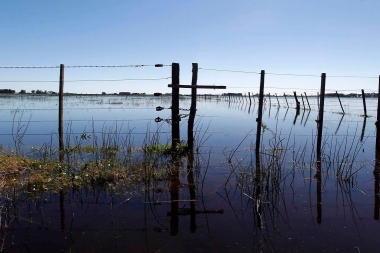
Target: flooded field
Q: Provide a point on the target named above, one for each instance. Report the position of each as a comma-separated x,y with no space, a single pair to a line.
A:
218,199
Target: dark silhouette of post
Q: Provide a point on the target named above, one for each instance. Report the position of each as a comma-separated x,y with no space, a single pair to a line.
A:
286,100
193,109
60,112
303,102
278,102
175,106
249,95
364,104
320,116
376,174
297,102
307,100
260,113
341,106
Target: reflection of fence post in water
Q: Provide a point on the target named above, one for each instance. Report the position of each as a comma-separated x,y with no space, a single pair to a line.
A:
319,154
62,209
363,129
193,109
376,172
60,112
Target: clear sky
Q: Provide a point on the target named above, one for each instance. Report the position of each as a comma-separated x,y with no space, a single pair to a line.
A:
340,38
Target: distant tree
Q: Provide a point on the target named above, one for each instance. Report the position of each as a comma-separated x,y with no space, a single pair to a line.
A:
22,92
33,91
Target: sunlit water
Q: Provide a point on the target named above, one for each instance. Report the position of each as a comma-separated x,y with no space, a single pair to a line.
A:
287,211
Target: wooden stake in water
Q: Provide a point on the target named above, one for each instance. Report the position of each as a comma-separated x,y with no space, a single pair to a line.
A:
364,104
297,102
193,108
60,112
307,100
278,102
175,106
286,100
260,114
341,106
320,116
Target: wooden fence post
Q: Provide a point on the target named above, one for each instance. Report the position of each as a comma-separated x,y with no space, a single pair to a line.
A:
175,106
303,102
364,104
249,95
320,116
260,114
278,102
341,106
286,100
60,112
193,109
307,100
297,102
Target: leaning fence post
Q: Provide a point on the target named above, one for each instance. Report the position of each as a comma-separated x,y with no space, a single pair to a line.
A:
286,100
297,102
364,104
175,106
60,112
307,100
341,106
260,114
320,116
278,102
303,102
249,95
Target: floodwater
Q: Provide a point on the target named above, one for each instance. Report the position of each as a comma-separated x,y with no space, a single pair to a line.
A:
285,203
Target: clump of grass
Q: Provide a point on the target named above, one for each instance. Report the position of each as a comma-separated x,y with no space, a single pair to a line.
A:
164,149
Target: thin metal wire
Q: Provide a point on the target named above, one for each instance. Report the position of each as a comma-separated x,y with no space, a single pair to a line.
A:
85,80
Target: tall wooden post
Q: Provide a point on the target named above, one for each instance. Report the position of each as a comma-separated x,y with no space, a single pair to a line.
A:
175,106
378,121
249,95
320,116
364,104
260,113
193,109
60,112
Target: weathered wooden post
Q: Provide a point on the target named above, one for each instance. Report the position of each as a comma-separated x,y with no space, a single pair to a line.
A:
270,102
249,95
297,102
278,102
175,106
60,112
286,100
341,106
193,108
307,101
303,102
320,116
260,114
364,104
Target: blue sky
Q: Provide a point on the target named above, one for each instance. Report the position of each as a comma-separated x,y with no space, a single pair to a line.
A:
340,38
